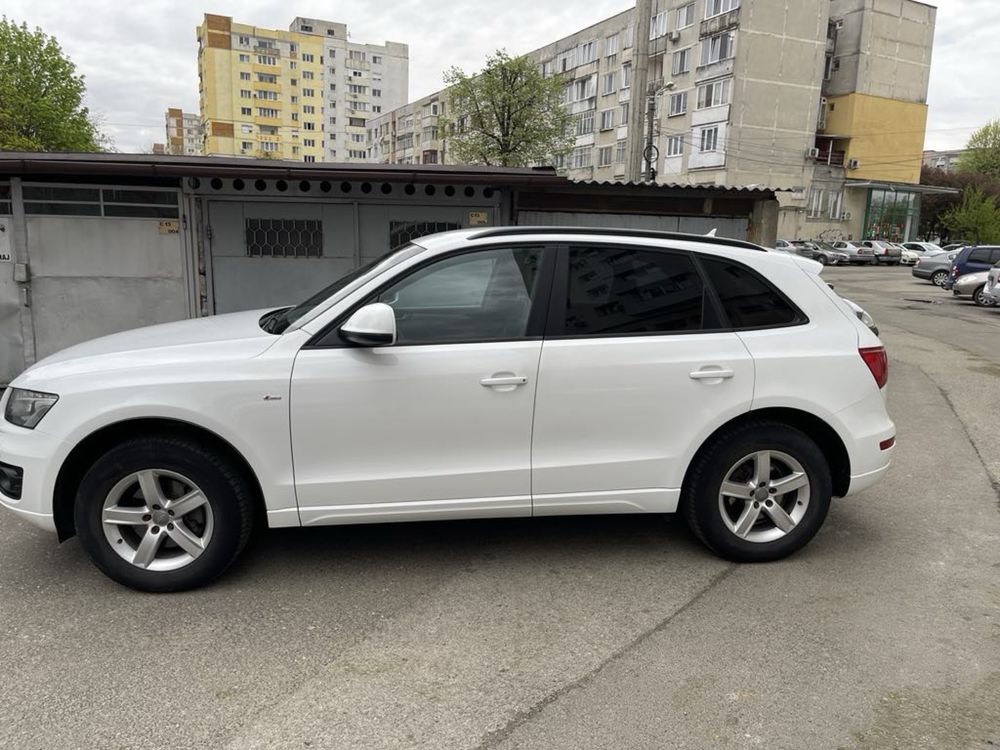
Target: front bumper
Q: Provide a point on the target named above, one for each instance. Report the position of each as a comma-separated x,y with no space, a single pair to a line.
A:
32,451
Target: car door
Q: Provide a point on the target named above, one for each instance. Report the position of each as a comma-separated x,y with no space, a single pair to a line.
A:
635,370
437,425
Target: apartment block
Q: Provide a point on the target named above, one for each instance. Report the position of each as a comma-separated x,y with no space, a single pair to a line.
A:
412,134
824,99
184,134
303,94
946,160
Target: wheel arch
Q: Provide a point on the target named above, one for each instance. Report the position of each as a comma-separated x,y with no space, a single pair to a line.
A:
87,450
829,442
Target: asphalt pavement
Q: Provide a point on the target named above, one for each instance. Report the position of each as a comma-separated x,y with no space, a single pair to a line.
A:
598,632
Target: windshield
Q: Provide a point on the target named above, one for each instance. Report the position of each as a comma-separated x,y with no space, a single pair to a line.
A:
277,321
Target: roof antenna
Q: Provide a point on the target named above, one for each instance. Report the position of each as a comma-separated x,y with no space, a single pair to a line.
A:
712,232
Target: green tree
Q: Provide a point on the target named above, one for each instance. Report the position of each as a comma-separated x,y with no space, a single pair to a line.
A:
976,217
934,206
507,115
41,95
982,155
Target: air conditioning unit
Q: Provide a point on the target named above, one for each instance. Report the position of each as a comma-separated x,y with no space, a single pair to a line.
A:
674,36
853,163
814,153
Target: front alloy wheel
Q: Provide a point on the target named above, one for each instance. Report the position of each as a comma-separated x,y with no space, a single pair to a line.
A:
164,512
157,520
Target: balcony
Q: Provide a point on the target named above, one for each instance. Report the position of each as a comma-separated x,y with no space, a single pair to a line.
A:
718,24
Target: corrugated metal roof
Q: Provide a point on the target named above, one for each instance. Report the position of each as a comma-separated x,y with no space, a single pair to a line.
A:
684,186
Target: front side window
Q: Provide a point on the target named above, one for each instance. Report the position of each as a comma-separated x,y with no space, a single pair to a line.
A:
617,291
748,300
481,296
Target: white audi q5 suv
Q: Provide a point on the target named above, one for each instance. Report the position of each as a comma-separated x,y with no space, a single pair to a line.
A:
474,374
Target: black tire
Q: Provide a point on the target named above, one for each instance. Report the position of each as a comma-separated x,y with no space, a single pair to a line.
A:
229,493
977,297
939,277
700,500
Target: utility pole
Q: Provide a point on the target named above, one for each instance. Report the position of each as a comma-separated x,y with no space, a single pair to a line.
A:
640,86
650,152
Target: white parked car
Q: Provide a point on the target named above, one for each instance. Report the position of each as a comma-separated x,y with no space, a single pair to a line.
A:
991,294
479,373
858,255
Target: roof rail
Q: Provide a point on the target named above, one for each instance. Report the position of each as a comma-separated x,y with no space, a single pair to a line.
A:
612,232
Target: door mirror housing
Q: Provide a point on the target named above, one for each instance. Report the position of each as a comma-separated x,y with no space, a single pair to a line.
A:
371,325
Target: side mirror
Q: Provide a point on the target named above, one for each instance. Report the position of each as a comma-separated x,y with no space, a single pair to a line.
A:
372,325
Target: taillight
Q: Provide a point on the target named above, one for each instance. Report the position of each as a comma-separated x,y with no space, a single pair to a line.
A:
954,272
878,363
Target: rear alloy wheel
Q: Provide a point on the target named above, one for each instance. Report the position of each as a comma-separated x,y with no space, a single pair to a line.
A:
980,298
163,513
939,277
758,492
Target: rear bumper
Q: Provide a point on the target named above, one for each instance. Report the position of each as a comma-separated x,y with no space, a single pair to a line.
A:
922,273
868,425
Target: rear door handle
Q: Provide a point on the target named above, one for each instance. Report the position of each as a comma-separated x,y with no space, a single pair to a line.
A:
713,374
502,380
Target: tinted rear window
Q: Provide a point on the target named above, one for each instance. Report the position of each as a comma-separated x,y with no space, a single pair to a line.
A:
979,255
748,300
614,291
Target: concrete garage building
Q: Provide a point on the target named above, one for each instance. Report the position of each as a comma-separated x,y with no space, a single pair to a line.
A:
91,244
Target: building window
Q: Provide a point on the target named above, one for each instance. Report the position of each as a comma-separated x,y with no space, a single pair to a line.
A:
308,75
604,155
376,92
611,45
709,139
582,157
629,36
307,57
308,126
685,17
266,78
244,76
588,52
268,95
309,142
835,202
267,112
610,79
246,94
658,24
626,75
266,60
245,40
246,111
607,119
356,122
246,146
585,123
376,59
675,145
624,116
816,200
355,154
269,147
357,89
357,73
357,55
682,61
244,58
308,109
714,94
620,148
716,48
356,105
718,7
678,104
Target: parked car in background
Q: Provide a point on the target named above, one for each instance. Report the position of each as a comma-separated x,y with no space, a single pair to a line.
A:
909,257
453,378
858,254
973,258
885,252
935,268
972,285
784,246
826,254
922,248
954,246
992,291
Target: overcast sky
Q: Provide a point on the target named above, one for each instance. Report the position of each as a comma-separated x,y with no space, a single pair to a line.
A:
141,57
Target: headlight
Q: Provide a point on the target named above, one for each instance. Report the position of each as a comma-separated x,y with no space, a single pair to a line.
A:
26,408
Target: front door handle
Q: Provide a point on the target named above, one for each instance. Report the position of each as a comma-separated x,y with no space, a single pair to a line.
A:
503,380
713,374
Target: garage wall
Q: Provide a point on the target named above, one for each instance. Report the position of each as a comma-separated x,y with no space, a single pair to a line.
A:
724,226
91,276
